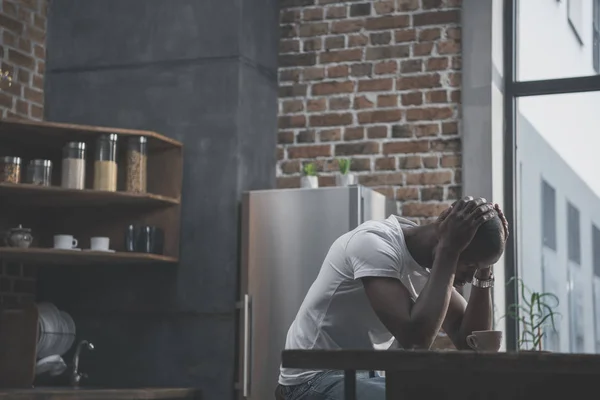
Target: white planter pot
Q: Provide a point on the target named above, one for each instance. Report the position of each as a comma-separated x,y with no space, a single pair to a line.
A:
345,180
309,182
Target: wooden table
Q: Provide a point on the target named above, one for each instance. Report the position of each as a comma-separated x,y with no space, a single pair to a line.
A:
464,375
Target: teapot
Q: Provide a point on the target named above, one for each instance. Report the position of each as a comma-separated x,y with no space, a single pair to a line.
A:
19,237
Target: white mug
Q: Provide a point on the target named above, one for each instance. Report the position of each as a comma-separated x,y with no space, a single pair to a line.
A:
99,243
65,242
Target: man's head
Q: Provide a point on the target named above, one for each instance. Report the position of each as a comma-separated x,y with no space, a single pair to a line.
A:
484,250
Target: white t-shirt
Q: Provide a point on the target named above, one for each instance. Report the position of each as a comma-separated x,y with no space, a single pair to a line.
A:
336,313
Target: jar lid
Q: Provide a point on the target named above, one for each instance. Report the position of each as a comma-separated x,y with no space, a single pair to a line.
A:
76,145
11,160
138,139
41,163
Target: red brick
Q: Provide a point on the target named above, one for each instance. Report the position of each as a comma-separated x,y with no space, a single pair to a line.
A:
335,42
386,67
354,133
285,137
289,16
288,31
338,56
362,69
360,164
21,59
431,162
287,182
418,82
382,179
292,91
375,85
11,24
437,64
347,26
330,135
448,47
408,5
332,119
426,130
360,10
405,35
451,145
312,44
358,40
339,103
454,193
312,14
436,96
292,121
290,167
454,79
449,128
412,99
429,178
36,112
455,96
377,132
430,34
33,95
289,75
370,117
387,22
408,193
289,46
292,106
402,131
326,88
380,38
313,74
336,12
297,60
312,151
385,164
384,7
338,71
313,29
422,49
362,102
409,162
429,114
348,149
384,52
449,161
387,100
436,18
305,137
453,32
315,105
414,146
410,66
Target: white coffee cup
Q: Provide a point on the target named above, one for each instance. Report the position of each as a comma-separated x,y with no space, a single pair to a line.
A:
99,243
65,242
485,340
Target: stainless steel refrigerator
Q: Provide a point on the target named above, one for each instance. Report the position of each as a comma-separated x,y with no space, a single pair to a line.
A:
285,237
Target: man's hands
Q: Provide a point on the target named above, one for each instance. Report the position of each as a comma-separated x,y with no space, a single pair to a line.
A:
503,219
458,224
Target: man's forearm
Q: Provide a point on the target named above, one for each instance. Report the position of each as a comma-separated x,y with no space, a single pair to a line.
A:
478,315
430,309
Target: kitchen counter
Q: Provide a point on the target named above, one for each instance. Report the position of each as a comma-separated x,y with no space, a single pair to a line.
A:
91,393
460,375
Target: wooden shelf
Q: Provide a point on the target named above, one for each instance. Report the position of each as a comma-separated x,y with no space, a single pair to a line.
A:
44,256
54,196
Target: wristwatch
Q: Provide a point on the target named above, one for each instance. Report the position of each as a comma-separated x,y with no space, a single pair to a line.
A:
483,283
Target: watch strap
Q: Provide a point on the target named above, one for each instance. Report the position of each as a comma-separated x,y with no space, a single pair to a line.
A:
483,283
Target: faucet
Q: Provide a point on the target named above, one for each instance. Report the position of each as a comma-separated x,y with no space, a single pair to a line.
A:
76,376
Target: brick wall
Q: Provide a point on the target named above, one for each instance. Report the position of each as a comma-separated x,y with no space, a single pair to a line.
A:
22,38
378,82
22,50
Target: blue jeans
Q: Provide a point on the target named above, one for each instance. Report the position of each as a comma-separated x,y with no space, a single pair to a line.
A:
330,386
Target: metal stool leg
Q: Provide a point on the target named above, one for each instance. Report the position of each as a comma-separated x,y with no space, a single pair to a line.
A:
350,384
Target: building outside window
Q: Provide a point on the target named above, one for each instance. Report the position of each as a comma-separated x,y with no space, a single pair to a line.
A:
552,92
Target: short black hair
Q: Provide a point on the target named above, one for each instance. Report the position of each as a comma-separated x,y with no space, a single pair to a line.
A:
488,242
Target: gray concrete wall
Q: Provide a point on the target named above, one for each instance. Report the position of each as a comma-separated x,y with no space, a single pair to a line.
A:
202,72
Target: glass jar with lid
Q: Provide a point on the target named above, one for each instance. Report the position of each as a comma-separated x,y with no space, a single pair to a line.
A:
105,163
39,172
10,169
73,166
137,156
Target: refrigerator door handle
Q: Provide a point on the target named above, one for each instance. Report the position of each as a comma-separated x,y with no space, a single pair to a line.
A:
247,345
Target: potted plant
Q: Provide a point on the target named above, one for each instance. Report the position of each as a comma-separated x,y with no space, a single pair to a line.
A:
535,312
344,177
310,180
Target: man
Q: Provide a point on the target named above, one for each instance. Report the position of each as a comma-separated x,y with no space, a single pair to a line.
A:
392,279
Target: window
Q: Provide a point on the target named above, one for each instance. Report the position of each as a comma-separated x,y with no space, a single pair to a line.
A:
596,250
573,238
596,36
548,215
596,283
574,13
